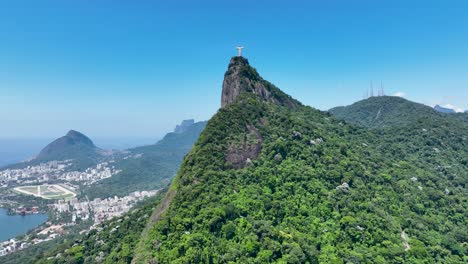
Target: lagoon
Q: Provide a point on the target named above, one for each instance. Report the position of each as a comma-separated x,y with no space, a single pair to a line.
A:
14,225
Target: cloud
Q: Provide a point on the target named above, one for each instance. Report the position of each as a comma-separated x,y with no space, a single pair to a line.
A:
399,94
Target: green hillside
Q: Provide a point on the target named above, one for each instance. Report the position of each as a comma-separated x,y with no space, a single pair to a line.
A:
416,133
389,111
153,168
314,190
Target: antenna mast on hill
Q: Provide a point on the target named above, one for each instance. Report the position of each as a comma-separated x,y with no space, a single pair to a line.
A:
371,89
239,51
381,92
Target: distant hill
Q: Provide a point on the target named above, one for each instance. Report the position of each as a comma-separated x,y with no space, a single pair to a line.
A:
392,111
389,111
442,109
184,126
67,147
73,146
149,167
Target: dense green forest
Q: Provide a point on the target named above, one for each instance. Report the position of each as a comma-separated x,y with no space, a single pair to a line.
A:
284,183
320,191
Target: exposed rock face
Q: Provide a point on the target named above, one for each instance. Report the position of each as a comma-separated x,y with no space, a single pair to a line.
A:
445,110
242,153
241,77
318,141
343,187
184,126
278,157
404,237
296,135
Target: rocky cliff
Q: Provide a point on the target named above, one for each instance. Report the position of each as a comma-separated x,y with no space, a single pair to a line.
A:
184,126
241,77
445,110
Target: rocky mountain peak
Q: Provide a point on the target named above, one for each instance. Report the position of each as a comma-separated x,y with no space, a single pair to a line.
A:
442,109
74,137
240,77
184,126
68,146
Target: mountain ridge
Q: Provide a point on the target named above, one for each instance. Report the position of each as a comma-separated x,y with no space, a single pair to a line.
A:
392,111
385,111
149,167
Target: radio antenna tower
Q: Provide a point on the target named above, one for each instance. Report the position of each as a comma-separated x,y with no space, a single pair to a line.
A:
380,89
382,93
372,89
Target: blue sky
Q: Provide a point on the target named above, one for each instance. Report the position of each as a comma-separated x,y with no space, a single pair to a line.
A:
137,68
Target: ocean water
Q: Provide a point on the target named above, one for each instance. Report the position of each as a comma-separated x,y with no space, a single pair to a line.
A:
13,150
14,225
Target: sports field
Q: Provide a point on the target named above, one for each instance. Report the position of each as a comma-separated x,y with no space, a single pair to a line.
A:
53,191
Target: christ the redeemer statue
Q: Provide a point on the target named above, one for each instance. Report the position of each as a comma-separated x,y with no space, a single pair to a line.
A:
239,51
